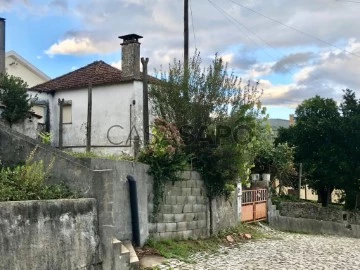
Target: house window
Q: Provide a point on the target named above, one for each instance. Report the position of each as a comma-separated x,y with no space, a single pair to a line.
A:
67,113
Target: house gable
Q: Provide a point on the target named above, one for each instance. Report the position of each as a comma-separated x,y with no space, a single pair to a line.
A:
17,66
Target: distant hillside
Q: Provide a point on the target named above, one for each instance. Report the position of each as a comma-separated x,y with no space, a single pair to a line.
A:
277,123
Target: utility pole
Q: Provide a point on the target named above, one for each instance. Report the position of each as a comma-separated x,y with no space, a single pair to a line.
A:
89,116
145,101
61,117
186,33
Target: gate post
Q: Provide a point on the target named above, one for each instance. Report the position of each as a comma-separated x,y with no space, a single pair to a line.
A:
239,201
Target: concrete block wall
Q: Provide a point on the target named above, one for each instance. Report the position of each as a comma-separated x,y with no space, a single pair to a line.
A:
184,209
316,211
226,212
112,190
75,173
54,234
314,219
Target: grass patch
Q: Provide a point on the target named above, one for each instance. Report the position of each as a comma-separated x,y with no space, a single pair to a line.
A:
183,249
122,156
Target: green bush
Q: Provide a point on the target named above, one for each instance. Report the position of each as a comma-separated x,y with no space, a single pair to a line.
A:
27,182
166,158
45,137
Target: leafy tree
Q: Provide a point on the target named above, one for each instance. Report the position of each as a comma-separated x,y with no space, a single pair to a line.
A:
316,136
14,96
219,120
350,148
199,97
217,117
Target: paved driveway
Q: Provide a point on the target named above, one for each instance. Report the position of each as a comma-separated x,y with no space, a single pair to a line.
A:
283,251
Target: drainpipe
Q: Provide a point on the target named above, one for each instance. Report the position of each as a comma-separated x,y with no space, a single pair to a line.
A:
134,210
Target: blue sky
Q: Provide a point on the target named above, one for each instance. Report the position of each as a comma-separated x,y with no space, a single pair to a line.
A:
296,49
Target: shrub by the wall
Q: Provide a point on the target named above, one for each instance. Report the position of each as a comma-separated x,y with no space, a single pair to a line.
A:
27,182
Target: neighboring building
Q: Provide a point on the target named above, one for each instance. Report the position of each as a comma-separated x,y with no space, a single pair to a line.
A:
13,64
19,67
117,103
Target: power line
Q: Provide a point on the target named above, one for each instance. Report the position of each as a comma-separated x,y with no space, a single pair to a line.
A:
293,28
241,30
253,33
192,23
232,20
357,2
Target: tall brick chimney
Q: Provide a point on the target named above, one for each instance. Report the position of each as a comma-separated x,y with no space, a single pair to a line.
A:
2,45
130,56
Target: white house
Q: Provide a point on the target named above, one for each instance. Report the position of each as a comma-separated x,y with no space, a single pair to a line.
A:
117,103
17,66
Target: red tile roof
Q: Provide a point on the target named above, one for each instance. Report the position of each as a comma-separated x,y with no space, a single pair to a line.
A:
98,73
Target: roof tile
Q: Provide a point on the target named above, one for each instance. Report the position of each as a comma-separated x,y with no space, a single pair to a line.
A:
98,73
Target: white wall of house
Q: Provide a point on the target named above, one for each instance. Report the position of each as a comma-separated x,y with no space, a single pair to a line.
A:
110,116
20,69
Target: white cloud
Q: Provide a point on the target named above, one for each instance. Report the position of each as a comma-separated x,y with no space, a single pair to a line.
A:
228,58
307,65
6,5
76,46
259,70
303,74
117,64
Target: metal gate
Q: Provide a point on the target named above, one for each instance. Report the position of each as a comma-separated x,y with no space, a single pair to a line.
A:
254,205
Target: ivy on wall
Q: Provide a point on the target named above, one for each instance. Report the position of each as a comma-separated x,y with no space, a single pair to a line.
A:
165,157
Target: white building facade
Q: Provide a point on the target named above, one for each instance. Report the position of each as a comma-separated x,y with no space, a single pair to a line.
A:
117,104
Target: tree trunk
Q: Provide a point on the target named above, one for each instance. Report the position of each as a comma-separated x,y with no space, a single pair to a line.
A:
324,195
211,216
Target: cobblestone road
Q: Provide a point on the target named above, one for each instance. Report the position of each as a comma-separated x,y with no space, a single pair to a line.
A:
282,251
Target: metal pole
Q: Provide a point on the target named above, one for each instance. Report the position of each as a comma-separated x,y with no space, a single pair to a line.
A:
145,100
61,117
89,116
300,174
186,33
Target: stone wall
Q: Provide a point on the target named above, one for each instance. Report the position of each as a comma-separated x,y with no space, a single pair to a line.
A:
312,218
316,211
184,211
55,234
